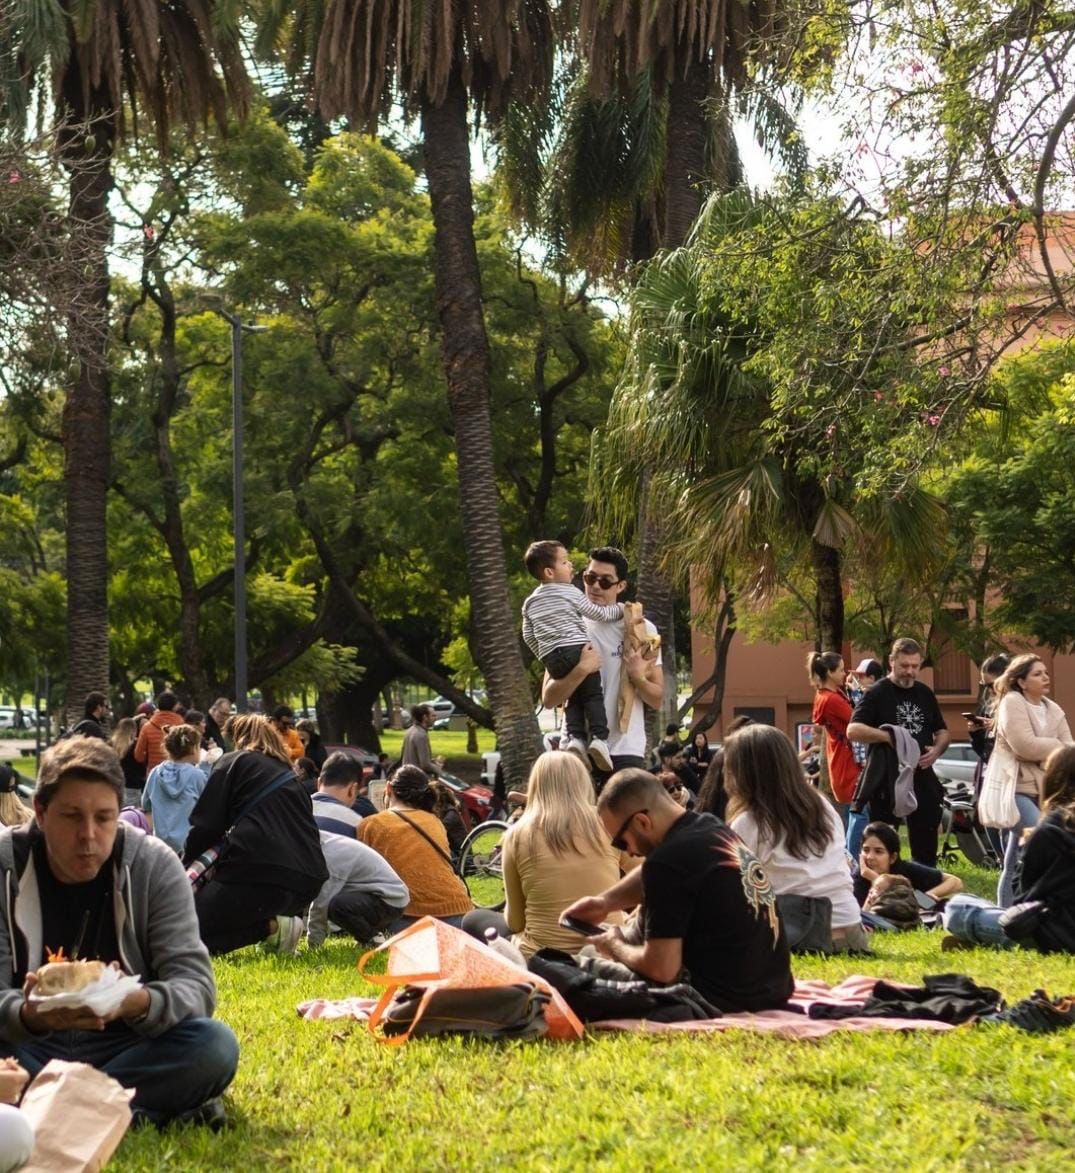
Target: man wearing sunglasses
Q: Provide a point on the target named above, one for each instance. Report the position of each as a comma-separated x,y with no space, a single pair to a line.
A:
605,581
707,905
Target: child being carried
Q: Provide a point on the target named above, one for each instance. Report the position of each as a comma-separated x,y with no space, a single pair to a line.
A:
554,630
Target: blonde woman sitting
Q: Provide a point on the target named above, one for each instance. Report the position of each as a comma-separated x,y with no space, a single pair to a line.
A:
555,854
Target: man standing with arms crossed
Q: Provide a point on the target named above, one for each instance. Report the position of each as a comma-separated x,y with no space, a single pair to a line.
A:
900,698
605,581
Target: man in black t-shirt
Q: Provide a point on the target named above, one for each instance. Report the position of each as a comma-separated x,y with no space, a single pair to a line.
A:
901,698
707,904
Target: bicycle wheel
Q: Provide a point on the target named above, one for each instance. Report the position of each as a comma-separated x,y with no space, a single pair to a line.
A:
481,866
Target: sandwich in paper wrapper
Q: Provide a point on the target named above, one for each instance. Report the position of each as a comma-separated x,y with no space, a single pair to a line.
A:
98,987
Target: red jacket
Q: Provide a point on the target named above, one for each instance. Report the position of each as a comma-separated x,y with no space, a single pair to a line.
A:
150,745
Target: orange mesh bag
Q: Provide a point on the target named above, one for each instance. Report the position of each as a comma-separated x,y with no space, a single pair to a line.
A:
435,956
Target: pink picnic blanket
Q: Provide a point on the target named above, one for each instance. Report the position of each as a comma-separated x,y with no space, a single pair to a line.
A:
789,1024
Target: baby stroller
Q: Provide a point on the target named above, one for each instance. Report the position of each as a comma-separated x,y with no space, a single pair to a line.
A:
959,819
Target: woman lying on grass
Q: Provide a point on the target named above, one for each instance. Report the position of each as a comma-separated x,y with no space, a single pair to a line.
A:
880,856
1047,875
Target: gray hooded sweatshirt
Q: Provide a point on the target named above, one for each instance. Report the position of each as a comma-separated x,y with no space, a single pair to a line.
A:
156,927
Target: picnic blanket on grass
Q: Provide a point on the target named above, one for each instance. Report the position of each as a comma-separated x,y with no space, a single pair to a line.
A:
792,1023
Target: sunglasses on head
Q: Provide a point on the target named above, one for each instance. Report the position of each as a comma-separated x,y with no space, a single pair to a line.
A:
604,581
617,840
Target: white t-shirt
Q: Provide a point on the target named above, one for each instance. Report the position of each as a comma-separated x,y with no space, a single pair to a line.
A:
607,638
827,874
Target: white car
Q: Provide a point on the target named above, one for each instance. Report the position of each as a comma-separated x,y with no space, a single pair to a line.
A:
957,764
7,717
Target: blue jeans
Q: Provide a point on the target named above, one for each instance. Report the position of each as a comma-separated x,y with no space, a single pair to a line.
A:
1028,817
856,829
970,918
178,1070
398,925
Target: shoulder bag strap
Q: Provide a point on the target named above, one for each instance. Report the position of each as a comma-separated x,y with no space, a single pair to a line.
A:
432,842
275,784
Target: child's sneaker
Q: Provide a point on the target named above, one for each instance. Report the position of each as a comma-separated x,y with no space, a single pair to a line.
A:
599,755
576,746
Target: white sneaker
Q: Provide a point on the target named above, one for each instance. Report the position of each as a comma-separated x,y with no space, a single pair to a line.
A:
576,746
289,930
600,756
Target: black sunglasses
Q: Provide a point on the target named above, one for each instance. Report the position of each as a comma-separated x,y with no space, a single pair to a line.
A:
602,580
617,839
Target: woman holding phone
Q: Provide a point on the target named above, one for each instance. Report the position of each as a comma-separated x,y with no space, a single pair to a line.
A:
555,854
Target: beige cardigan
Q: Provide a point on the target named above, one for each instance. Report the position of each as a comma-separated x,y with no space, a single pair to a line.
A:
1018,732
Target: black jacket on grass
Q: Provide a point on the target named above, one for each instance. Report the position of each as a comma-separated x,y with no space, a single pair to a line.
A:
1048,874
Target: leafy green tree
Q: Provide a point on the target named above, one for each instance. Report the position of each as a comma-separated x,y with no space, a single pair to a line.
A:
350,485
444,63
802,464
1015,496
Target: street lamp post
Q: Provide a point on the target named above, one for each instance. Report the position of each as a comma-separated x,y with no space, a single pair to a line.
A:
238,327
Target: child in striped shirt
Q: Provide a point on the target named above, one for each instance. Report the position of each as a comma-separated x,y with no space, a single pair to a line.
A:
554,630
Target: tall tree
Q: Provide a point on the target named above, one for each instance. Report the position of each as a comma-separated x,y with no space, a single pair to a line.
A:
442,63
809,459
102,64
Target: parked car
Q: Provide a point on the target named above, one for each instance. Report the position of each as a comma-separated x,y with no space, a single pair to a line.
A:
957,764
7,718
477,800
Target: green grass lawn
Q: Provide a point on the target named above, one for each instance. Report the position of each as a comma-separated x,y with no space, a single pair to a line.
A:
329,1096
452,743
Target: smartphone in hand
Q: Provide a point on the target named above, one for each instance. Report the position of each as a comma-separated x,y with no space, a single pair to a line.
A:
581,926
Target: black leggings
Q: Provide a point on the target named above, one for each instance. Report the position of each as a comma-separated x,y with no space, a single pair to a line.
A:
923,826
231,916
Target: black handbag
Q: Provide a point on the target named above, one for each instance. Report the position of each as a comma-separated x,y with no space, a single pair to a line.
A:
1022,921
807,922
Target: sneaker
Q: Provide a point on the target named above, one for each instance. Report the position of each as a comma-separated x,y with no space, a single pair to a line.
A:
209,1115
576,746
600,756
951,944
286,938
1038,1014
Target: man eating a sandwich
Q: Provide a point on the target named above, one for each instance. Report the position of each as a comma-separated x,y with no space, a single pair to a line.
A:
79,886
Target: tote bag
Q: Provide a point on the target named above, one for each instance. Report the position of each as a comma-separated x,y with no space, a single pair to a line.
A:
996,803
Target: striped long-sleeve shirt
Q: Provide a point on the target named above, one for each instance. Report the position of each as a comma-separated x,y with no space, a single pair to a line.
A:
553,617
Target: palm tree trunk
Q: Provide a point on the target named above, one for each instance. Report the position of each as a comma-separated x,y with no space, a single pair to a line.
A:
684,169
86,412
830,596
465,349
684,172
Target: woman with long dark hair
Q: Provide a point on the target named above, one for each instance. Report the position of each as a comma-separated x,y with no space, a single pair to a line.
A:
272,867
790,827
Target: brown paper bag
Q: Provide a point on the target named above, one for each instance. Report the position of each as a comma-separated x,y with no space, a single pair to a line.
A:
79,1116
